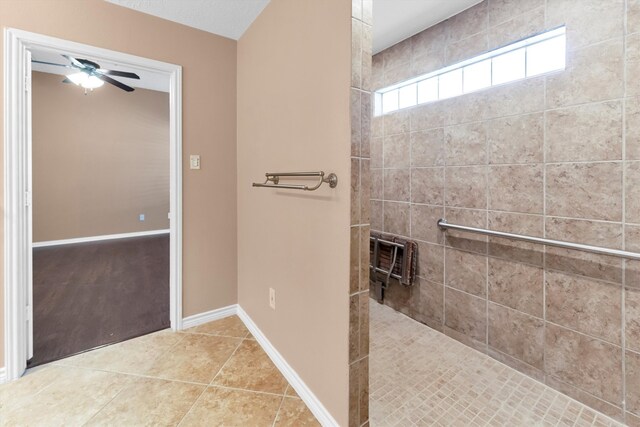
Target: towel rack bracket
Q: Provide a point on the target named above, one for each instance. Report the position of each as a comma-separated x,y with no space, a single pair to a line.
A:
332,179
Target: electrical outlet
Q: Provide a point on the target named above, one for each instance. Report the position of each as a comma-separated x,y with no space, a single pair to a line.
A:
272,298
194,161
141,217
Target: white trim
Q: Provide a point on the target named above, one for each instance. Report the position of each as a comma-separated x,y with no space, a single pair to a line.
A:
315,406
209,316
3,375
17,241
100,238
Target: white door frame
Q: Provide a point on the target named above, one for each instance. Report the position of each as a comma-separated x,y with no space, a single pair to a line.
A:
17,194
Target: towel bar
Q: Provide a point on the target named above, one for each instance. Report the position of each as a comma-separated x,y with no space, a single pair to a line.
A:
274,177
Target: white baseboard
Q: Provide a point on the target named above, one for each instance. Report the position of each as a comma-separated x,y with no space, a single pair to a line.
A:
3,375
99,238
209,316
317,408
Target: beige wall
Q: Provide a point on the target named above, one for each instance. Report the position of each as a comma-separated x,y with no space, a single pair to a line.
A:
99,160
555,156
293,114
209,124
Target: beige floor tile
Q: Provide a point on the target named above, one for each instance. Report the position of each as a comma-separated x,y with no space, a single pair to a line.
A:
149,402
419,376
250,368
225,407
20,392
134,356
294,413
230,326
70,399
291,392
197,358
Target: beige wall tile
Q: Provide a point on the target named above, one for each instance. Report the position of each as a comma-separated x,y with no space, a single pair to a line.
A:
466,271
396,122
466,144
431,262
594,73
376,183
463,240
606,234
587,363
377,126
521,97
466,314
632,124
632,317
427,148
354,259
614,411
516,188
397,55
516,364
424,220
376,152
518,28
427,304
504,10
633,64
396,150
376,215
516,285
470,107
366,113
355,191
585,190
532,225
356,53
516,334
365,233
587,21
429,41
397,184
427,185
363,319
469,22
427,63
633,16
516,139
354,327
632,237
377,72
632,185
584,305
365,190
367,45
632,374
586,132
466,187
428,116
467,48
396,218
356,122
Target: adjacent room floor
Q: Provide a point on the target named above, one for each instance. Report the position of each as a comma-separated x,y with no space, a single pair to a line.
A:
87,295
419,376
213,374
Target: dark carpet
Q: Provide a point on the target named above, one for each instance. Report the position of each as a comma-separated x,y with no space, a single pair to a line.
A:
90,294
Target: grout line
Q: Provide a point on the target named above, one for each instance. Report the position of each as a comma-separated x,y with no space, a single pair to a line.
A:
192,405
225,363
275,419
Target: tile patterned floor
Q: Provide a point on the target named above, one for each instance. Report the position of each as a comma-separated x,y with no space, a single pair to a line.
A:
420,377
213,374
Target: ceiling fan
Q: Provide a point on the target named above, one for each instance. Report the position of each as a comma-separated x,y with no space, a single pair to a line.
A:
90,75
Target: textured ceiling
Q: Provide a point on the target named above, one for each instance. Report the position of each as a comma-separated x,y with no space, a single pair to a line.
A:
396,20
227,18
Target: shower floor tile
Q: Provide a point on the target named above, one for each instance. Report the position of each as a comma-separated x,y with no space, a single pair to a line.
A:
421,377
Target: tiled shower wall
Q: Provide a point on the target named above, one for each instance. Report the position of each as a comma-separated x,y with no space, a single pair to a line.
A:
361,45
555,156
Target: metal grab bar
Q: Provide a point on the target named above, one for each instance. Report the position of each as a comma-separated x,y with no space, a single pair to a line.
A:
444,225
274,177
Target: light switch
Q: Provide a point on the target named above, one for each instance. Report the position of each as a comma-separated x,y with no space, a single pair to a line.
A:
194,160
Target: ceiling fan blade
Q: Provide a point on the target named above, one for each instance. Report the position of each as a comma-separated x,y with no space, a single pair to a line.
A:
114,82
51,63
74,61
119,74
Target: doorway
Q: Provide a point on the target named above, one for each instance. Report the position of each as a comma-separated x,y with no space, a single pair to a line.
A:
18,278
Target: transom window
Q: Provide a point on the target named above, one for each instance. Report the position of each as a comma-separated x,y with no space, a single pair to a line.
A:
533,56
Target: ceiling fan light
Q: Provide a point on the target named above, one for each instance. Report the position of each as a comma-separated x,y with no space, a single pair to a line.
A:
92,82
78,78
